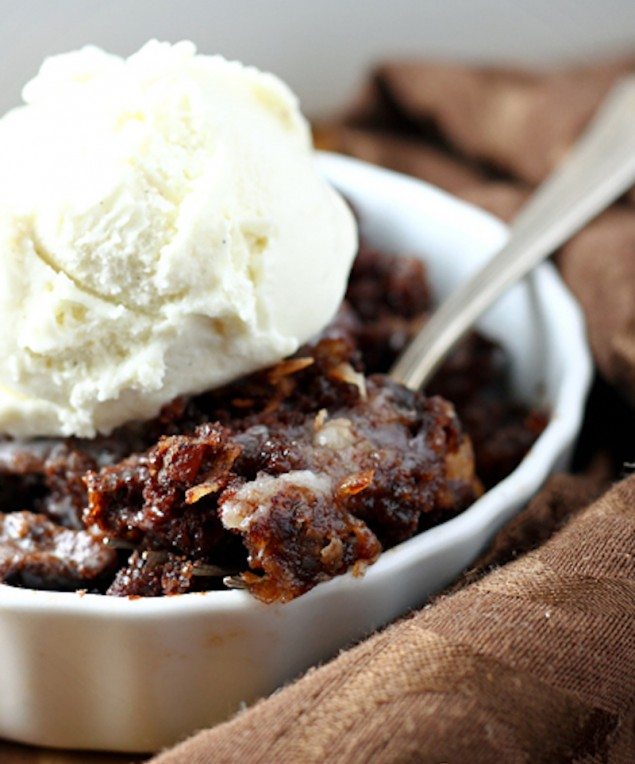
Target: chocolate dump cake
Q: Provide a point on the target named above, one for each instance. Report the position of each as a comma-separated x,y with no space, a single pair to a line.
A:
276,482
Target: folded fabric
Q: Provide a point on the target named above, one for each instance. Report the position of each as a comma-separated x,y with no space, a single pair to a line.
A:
516,122
599,266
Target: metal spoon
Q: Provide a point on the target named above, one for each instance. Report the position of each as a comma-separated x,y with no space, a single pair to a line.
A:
599,169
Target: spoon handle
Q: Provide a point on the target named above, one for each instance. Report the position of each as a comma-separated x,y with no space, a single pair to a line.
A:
598,169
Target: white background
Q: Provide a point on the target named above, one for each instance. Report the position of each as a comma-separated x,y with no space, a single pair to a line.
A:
321,47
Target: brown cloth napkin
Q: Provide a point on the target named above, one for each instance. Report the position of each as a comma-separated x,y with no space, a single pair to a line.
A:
535,660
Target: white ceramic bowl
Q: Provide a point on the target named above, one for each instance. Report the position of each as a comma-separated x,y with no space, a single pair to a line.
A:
135,675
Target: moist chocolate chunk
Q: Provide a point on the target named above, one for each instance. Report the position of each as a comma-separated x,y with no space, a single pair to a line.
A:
330,491
312,490
152,574
401,437
390,298
64,471
167,493
476,379
298,531
387,285
45,476
36,553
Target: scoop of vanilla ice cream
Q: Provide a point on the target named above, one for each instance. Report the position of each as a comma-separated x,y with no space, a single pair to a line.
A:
163,230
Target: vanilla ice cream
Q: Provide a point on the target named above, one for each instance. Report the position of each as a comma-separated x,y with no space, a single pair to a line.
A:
163,230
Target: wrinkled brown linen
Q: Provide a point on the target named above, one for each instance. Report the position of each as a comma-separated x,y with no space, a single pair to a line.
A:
599,266
531,655
517,122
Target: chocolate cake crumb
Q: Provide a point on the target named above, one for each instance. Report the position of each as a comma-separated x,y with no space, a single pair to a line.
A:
37,553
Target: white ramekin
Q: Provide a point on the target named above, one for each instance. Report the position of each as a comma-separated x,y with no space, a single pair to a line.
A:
136,675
